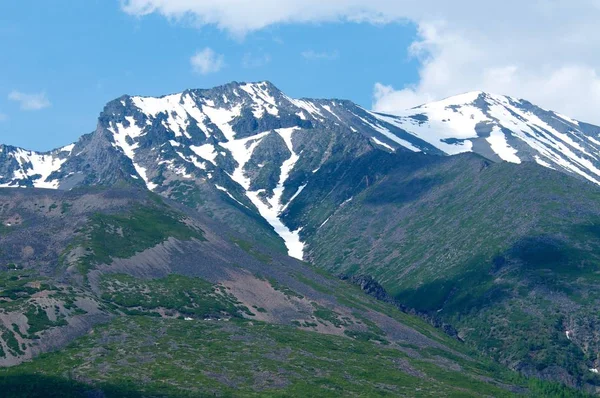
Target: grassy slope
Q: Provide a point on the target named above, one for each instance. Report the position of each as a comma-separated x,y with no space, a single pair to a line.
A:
150,349
222,348
188,358
508,254
124,234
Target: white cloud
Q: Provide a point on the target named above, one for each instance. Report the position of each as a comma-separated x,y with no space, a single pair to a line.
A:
30,102
242,16
550,70
546,51
324,55
3,117
207,61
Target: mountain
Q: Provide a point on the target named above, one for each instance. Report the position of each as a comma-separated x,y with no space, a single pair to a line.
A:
117,292
240,141
503,128
257,148
453,211
507,254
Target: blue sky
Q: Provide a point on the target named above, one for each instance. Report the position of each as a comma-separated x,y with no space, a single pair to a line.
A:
77,55
62,60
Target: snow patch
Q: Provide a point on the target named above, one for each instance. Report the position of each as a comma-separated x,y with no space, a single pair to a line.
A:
37,167
306,106
68,148
122,136
593,140
270,209
262,100
567,119
298,192
539,161
383,144
386,132
180,110
222,118
206,152
328,109
325,222
499,145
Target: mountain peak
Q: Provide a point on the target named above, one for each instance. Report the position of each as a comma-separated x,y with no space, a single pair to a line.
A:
504,128
263,85
467,98
191,134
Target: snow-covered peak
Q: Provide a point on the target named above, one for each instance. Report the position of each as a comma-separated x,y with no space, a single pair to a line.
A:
499,127
504,128
456,100
477,99
23,168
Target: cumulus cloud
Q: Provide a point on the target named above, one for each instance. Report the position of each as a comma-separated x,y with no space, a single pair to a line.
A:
545,51
323,55
550,70
30,102
207,61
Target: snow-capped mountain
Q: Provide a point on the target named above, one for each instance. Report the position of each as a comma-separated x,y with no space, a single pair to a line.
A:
254,144
503,128
256,149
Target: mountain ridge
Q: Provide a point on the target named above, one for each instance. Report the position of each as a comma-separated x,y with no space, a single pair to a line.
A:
259,147
399,119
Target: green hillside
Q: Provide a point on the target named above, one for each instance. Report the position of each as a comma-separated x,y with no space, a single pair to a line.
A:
507,254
